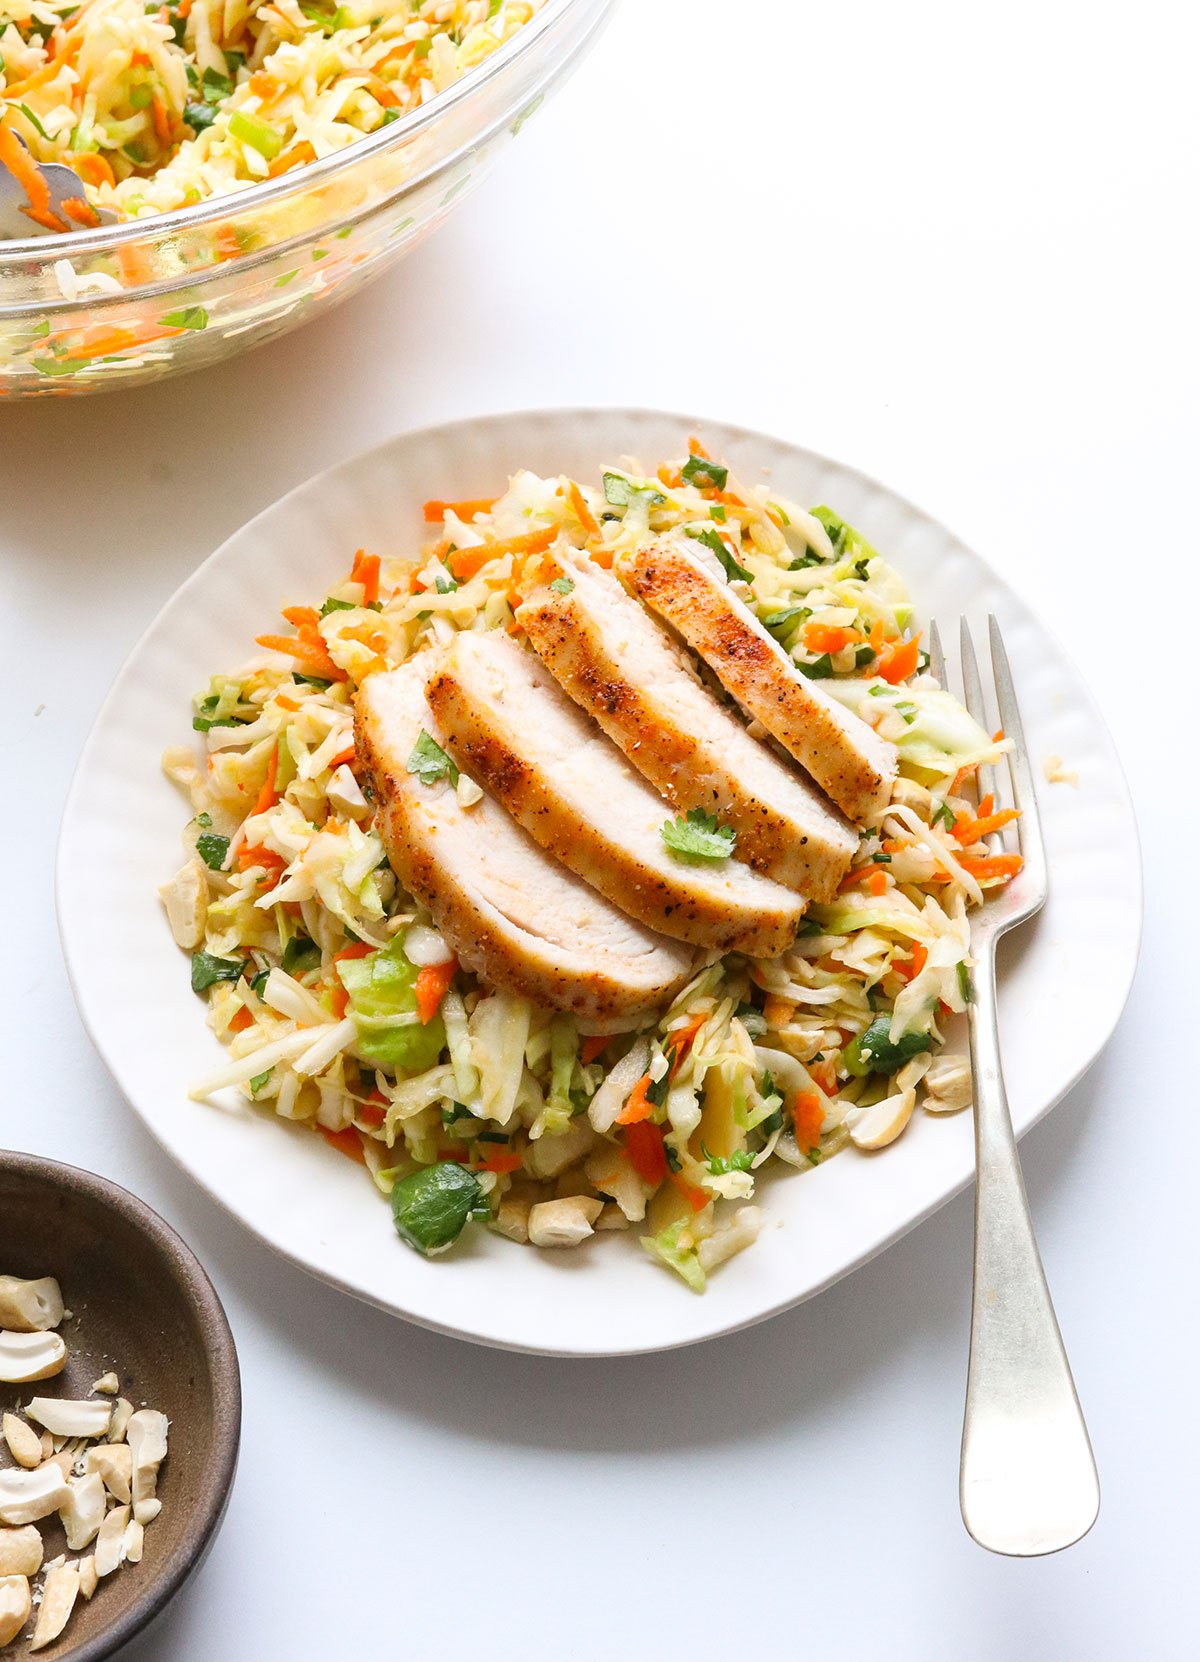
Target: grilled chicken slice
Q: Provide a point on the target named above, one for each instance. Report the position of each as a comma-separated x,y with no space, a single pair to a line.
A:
511,727
848,759
619,665
511,913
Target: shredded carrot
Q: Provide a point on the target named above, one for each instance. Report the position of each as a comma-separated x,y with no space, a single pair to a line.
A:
644,1148
455,1151
680,1042
695,448
591,1047
465,562
285,703
24,169
381,92
987,806
268,796
808,1116
241,1020
992,865
162,119
296,155
257,854
184,8
339,999
824,1073
583,513
263,85
228,246
696,1197
968,830
825,637
871,874
998,735
467,508
961,777
347,1142
135,263
299,615
910,971
80,210
357,949
91,167
899,660
669,476
365,570
431,986
638,1105
506,1160
313,654
370,1113
343,757
778,1012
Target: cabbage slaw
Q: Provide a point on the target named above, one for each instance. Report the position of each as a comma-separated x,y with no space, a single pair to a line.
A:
343,1008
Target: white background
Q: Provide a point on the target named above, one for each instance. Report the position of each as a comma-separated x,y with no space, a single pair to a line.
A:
956,246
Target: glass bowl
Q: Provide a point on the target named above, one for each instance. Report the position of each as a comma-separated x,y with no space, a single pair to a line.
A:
172,292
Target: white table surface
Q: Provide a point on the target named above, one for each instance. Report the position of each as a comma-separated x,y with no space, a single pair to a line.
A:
957,247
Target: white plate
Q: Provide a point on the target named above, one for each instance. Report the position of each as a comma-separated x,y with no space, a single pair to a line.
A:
1065,979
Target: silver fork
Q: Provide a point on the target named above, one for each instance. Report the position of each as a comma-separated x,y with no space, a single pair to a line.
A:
1027,1483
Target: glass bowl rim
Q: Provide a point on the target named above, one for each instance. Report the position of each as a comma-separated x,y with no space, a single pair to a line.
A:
393,136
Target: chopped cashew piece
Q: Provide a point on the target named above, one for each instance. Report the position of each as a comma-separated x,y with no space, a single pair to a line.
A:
467,792
108,1384
734,1235
1057,774
186,900
147,1510
882,1122
147,1439
15,1605
563,1223
87,1575
59,1593
24,1444
556,1150
110,1543
512,1217
20,1551
25,1357
66,1418
30,1306
83,1513
120,1419
948,1085
113,1464
345,793
134,1541
612,1217
27,1496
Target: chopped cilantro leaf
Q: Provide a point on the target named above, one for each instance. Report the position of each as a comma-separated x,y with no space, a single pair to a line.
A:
259,1080
332,605
563,585
819,670
445,585
698,836
712,541
430,762
190,317
704,474
206,970
212,849
301,955
945,813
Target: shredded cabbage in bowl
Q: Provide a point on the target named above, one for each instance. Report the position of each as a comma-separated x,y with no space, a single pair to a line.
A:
343,1008
161,106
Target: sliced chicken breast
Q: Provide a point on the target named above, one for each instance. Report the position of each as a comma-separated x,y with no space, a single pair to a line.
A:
848,759
511,913
618,664
511,727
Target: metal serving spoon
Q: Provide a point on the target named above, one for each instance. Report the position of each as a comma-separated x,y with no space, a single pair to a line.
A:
65,187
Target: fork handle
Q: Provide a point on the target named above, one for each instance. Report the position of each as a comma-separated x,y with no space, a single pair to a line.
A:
1028,1483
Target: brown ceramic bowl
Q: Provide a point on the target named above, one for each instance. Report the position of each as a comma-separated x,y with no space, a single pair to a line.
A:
141,1306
